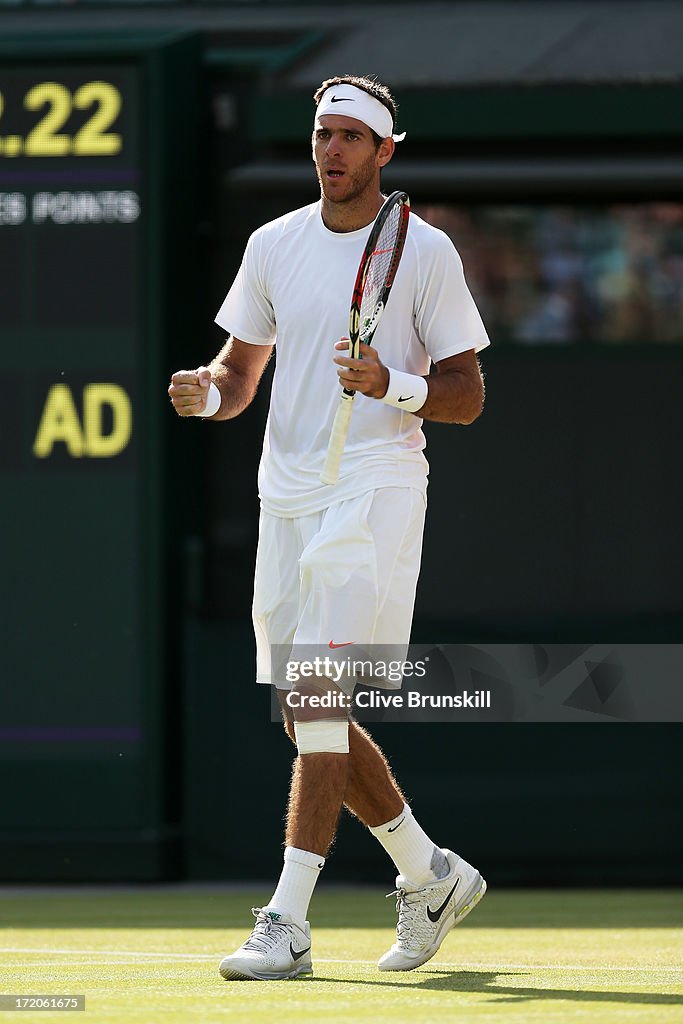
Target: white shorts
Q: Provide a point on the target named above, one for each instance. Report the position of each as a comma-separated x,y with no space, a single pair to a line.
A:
347,574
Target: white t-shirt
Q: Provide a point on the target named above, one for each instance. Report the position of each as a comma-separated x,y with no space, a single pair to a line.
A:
294,290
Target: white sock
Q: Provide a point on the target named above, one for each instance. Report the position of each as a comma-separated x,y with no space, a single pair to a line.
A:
296,884
417,858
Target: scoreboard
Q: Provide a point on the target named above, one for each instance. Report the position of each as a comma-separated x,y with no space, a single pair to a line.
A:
62,167
96,184
71,231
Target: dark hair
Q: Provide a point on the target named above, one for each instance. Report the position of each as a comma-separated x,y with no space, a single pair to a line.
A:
371,86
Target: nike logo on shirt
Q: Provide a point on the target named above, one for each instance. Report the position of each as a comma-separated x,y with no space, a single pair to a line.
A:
434,915
347,644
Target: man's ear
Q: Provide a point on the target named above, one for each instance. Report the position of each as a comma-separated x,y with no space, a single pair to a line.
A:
385,151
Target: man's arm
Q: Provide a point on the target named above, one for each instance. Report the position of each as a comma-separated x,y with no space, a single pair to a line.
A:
456,391
236,372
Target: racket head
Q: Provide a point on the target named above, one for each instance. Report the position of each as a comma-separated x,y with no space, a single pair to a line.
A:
377,269
376,273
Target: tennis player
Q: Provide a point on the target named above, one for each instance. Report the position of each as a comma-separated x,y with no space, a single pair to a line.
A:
338,564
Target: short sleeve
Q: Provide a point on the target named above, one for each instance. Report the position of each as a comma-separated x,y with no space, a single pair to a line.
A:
247,312
446,316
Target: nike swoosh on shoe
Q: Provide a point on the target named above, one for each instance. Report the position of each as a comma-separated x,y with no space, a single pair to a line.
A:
297,954
434,915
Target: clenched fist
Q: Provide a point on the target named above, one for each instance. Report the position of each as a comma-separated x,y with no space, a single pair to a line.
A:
189,390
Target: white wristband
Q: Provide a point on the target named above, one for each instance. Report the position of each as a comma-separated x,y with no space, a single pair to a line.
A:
406,391
213,402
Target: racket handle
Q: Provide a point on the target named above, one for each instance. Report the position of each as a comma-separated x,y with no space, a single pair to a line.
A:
335,449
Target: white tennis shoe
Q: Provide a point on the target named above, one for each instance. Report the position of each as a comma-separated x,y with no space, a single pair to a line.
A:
426,915
277,948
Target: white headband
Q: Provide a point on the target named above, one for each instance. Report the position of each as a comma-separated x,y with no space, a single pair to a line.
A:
353,102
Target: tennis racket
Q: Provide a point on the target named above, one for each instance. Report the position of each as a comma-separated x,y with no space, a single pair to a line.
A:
376,274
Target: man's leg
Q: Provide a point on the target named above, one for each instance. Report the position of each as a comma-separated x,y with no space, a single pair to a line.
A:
436,889
316,794
280,944
371,794
370,791
315,800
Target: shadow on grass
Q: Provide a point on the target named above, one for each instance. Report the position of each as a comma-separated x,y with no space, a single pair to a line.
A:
487,983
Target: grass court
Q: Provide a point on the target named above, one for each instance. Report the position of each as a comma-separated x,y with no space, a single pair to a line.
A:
151,955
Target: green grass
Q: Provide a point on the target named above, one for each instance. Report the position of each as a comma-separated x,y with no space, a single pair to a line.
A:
151,955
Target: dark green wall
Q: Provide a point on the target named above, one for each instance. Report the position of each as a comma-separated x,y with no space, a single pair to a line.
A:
555,518
530,804
88,593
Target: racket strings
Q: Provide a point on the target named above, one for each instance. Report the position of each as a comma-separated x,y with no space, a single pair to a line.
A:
379,268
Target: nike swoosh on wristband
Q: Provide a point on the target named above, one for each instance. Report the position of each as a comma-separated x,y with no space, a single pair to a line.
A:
434,915
406,399
396,826
341,99
297,954
334,646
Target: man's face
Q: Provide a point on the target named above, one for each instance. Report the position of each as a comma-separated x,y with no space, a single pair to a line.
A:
346,159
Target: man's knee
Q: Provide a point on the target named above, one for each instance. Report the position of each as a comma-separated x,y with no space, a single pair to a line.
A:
309,725
339,742
330,736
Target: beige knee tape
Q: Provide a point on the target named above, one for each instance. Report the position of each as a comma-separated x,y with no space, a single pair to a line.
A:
326,737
